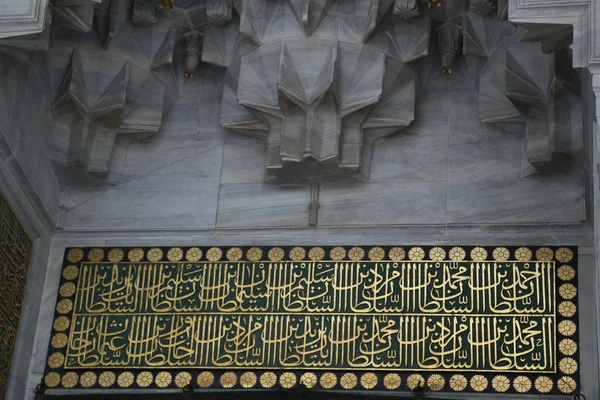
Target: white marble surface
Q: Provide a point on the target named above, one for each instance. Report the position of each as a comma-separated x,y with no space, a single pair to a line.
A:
22,17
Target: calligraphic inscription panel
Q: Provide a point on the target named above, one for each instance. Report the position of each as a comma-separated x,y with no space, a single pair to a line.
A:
15,255
495,319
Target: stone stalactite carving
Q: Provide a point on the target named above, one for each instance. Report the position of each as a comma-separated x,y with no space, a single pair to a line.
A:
219,11
483,7
144,12
193,48
311,88
406,8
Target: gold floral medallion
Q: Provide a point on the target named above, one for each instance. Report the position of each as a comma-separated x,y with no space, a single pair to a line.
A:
154,255
234,254
214,254
457,254
87,379
70,272
337,253
501,254
392,381
107,379
568,365
183,378
416,254
522,384
523,254
67,289
328,380
567,309
458,382
415,380
56,360
52,379
348,380
194,254
135,255
144,379
436,382
566,384
396,254
479,254
64,306
276,254
437,254
268,380
543,384
308,379
69,380
566,272
297,254
479,383
61,324
75,255
254,254
287,379
368,380
175,254
115,255
163,379
568,347
248,380
205,379
376,254
567,291
96,255
500,383
356,254
564,255
59,340
567,328
544,254
228,380
316,254
125,379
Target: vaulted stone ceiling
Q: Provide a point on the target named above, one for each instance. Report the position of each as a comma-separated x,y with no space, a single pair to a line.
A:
317,80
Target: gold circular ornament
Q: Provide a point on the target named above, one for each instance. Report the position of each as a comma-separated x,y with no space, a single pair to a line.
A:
70,272
64,306
500,383
436,382
144,379
56,360
268,380
392,381
297,254
522,384
52,379
228,379
67,289
276,254
458,382
479,254
376,254
567,291
437,254
543,384
337,253
348,380
175,254
328,380
248,380
214,254
254,254
183,379
368,380
106,379
205,379
415,380
234,254
397,254
59,340
544,254
316,254
95,255
566,272
457,254
567,328
287,379
416,254
154,254
125,379
61,324
501,254
356,254
135,255
523,254
308,379
566,384
564,255
163,379
69,380
87,379
115,255
75,255
194,254
568,365
479,383
567,309
568,347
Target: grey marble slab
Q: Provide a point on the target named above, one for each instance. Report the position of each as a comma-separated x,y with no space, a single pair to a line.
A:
383,203
263,205
243,161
